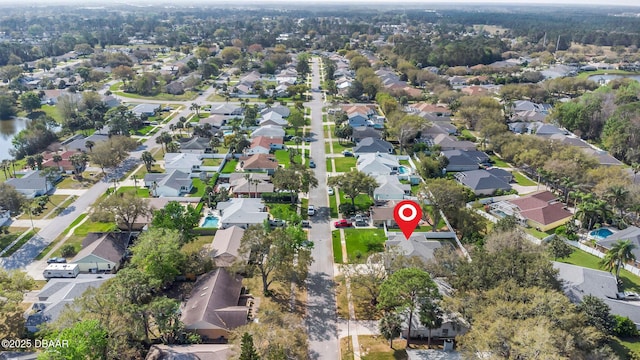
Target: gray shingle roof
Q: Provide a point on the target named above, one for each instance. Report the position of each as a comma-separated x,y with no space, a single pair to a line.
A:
371,145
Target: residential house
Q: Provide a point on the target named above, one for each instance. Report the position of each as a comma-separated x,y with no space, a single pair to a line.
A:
377,164
280,109
475,90
225,248
145,109
372,145
242,212
190,352
216,306
57,294
436,110
452,325
259,163
548,130
249,184
482,182
579,282
457,81
102,252
171,184
382,215
603,157
272,118
416,246
363,132
195,145
448,143
216,121
357,119
465,160
264,145
226,109
33,184
540,210
184,162
269,131
110,101
63,165
79,142
390,188
632,233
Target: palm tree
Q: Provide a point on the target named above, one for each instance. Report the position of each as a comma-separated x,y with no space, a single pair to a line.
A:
172,147
195,107
56,159
620,253
618,195
79,162
567,186
148,160
89,145
31,162
430,316
390,326
5,167
255,182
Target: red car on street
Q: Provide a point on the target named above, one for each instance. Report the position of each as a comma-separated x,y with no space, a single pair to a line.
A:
342,223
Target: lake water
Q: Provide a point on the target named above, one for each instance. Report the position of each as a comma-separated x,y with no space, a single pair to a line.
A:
8,129
607,78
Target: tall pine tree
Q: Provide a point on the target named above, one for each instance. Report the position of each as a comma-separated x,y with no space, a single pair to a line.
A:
248,350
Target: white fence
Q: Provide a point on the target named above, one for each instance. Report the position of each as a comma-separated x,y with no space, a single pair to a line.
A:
632,269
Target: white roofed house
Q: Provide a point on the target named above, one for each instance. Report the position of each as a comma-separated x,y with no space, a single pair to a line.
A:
268,131
184,162
33,184
377,164
272,118
242,212
171,184
390,188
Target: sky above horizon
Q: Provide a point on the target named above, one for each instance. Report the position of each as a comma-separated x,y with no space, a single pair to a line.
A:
634,3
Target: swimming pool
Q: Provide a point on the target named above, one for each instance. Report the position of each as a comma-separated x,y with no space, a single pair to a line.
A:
404,170
227,132
600,234
210,222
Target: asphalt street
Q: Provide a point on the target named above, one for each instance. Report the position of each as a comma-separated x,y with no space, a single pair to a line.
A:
321,318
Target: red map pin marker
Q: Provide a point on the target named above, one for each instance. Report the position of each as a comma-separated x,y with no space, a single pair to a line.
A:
407,214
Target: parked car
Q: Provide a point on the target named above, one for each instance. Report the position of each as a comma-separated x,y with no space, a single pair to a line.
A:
342,223
306,223
628,295
56,260
277,222
311,210
347,153
330,191
312,164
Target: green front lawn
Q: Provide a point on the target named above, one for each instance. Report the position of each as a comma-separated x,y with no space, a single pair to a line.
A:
330,165
144,130
363,242
230,166
333,207
187,96
362,201
54,200
498,162
70,182
345,164
337,246
22,241
139,191
91,226
304,205
338,148
6,239
155,168
521,179
282,156
283,211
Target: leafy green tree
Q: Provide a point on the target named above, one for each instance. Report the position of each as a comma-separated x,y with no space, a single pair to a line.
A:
296,120
620,253
67,250
431,315
123,208
11,199
559,249
294,179
148,160
353,184
174,216
405,290
390,326
13,285
598,313
405,127
7,106
624,327
30,101
111,153
86,340
248,350
157,255
79,162
444,195
272,254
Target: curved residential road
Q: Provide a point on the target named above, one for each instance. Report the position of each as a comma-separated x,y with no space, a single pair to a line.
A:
321,317
24,257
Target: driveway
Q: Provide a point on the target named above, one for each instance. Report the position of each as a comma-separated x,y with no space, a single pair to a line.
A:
321,318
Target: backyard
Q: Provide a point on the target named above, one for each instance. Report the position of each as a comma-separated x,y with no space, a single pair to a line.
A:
230,167
522,180
282,156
